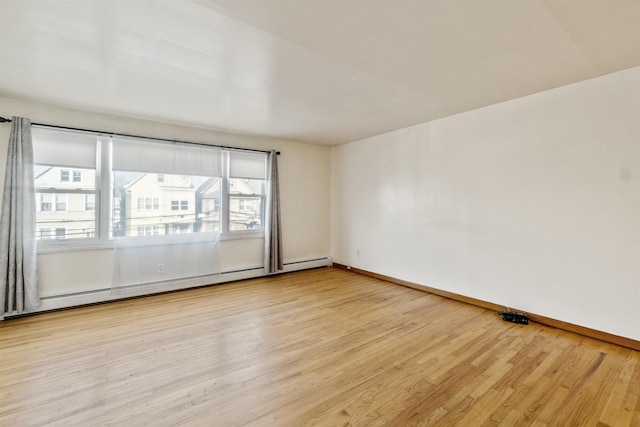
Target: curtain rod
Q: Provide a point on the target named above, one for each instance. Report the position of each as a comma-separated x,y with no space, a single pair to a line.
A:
4,120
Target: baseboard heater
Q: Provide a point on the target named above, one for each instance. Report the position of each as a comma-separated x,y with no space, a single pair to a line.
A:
93,296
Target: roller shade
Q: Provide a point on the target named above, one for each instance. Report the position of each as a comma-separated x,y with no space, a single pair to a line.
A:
245,164
130,154
64,148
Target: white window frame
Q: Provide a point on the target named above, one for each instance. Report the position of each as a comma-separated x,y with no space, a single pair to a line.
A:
104,199
228,184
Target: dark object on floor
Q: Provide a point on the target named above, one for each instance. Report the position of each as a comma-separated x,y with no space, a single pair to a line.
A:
512,316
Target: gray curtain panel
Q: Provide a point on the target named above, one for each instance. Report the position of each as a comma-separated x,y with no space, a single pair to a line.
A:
273,237
18,277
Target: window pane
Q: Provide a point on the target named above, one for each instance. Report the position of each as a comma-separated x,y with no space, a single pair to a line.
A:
61,233
89,202
77,176
179,204
61,202
247,187
245,213
64,210
246,203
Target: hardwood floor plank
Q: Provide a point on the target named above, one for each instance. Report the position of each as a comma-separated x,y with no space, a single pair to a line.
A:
322,347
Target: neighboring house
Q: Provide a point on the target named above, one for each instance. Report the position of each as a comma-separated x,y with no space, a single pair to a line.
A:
245,204
144,204
65,202
155,204
208,205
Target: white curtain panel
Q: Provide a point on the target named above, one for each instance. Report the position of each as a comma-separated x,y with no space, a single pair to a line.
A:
18,275
176,252
149,264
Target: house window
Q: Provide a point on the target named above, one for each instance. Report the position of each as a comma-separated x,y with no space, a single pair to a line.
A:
60,202
77,176
51,202
89,202
43,234
148,204
156,204
140,203
45,202
61,233
181,205
160,177
64,175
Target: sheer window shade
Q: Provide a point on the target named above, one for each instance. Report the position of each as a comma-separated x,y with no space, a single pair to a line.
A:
247,165
64,148
163,157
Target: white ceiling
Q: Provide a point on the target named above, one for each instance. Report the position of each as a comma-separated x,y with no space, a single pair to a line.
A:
320,71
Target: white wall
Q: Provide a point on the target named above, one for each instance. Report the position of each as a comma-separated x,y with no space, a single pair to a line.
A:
304,178
532,203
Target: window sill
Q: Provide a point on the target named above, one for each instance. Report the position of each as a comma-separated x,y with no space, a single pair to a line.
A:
245,234
49,247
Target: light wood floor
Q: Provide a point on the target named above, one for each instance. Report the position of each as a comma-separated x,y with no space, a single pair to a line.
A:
323,347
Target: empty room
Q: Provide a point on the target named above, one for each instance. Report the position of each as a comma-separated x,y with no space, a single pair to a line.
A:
320,213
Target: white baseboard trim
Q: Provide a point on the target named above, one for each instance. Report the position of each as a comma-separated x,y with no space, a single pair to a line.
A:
67,300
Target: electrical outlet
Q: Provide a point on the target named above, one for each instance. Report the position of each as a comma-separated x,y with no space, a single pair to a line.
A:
161,268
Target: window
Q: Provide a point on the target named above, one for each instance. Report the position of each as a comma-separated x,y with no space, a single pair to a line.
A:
65,184
181,205
61,233
89,202
61,202
246,192
51,202
244,204
92,188
45,203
